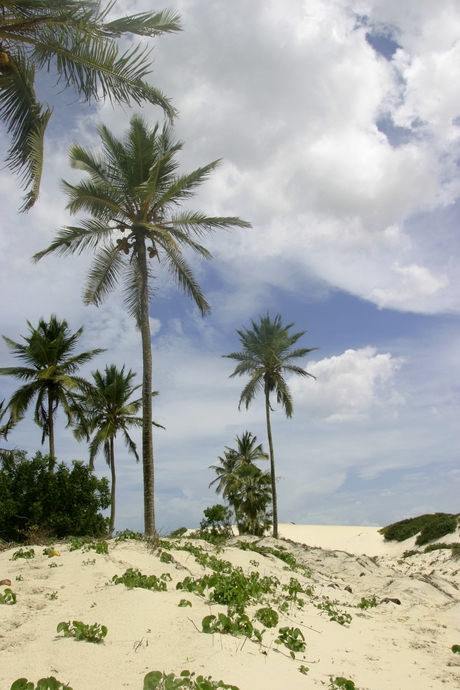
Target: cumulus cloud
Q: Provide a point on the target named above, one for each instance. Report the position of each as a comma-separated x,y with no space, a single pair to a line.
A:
347,386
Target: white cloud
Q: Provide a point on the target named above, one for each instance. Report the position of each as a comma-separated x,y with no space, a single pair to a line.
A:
347,386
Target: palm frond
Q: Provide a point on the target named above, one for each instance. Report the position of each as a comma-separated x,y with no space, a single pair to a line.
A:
26,121
103,275
183,277
77,239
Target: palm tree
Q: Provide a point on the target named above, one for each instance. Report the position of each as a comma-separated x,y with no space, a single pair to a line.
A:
75,40
251,499
132,194
244,485
108,410
266,357
49,376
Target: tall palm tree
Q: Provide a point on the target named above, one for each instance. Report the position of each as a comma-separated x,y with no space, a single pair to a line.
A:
74,39
49,375
244,485
266,358
132,195
108,410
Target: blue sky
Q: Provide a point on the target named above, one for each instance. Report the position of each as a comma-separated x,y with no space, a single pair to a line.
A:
338,125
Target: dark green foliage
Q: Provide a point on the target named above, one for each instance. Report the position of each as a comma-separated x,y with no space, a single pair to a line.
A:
341,682
66,502
134,578
431,526
267,616
80,631
232,624
454,547
156,680
166,557
456,648
216,526
292,638
178,533
437,527
50,683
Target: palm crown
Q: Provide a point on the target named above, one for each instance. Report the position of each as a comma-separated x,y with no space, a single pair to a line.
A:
108,410
49,375
74,38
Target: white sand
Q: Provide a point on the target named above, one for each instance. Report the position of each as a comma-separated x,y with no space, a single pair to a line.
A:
398,647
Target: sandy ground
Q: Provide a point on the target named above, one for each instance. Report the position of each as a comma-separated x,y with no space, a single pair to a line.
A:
391,646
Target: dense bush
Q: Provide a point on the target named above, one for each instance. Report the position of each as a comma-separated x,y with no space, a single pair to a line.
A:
216,524
35,501
431,526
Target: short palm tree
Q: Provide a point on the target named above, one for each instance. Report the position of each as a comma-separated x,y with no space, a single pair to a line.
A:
251,499
266,358
107,411
49,375
244,485
132,193
74,39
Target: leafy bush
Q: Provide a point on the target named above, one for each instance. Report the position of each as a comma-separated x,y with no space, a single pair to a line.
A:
66,502
216,526
81,631
430,526
178,533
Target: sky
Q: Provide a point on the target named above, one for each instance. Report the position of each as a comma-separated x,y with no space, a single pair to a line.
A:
338,126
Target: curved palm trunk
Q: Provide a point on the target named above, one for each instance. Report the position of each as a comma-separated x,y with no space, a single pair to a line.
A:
51,433
272,465
113,486
147,434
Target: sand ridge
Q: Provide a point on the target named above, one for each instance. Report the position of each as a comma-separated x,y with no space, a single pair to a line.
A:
397,646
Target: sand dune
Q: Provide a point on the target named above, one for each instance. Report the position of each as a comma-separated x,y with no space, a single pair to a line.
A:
398,646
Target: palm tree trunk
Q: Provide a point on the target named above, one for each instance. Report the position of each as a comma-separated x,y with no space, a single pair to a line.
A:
51,433
272,465
147,433
113,486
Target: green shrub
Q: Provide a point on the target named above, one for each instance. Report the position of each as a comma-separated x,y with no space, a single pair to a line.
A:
216,526
178,533
430,526
66,502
